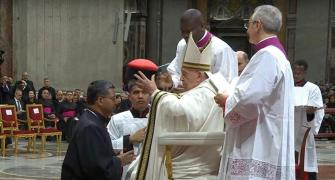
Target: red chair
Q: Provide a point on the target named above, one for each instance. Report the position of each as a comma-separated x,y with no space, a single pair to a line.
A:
3,140
299,168
10,127
36,119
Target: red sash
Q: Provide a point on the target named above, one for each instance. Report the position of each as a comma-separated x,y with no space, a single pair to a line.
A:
70,113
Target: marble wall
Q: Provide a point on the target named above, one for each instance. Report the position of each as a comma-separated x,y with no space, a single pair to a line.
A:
312,36
70,41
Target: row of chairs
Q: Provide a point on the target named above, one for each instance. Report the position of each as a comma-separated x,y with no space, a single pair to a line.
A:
9,126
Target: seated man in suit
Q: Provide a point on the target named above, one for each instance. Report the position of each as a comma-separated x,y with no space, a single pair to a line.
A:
20,111
17,101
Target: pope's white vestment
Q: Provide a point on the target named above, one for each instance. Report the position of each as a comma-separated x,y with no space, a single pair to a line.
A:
259,117
192,111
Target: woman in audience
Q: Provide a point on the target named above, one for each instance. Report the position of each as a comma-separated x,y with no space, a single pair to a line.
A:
31,98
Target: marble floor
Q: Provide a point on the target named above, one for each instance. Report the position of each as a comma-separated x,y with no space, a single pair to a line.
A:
47,166
32,166
325,150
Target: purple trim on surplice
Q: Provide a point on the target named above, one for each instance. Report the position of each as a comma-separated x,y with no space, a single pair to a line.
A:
204,40
274,41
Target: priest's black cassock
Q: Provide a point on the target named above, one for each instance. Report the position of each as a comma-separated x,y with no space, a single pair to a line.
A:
90,154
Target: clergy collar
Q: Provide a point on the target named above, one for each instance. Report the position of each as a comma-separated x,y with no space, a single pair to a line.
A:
138,114
266,39
300,83
272,40
99,116
204,40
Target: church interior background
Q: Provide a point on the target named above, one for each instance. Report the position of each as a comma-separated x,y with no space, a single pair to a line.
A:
150,29
307,31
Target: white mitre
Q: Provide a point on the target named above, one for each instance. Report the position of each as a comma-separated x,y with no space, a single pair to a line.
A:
196,59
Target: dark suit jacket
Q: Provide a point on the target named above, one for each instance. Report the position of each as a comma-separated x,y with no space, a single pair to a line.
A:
30,84
6,93
13,102
25,91
23,115
90,154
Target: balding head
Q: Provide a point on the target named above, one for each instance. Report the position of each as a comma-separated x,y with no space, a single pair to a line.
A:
243,60
192,21
192,16
25,76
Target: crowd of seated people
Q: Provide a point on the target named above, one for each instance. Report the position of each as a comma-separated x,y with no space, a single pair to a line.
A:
328,95
66,106
60,106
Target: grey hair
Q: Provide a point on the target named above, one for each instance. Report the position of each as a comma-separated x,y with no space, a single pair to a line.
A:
270,17
98,89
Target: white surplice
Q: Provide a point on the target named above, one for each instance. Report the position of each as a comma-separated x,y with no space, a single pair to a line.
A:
234,82
259,118
314,99
224,60
192,111
123,124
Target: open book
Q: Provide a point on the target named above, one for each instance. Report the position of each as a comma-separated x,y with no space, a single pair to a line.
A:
219,83
301,96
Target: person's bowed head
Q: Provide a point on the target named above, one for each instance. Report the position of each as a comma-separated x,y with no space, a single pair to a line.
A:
164,81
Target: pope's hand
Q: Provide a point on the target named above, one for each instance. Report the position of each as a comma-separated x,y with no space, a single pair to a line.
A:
146,84
220,99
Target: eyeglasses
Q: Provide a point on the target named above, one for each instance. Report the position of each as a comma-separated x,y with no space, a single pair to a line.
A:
111,98
246,25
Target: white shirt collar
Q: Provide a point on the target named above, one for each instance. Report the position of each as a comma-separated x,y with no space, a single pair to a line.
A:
266,39
203,35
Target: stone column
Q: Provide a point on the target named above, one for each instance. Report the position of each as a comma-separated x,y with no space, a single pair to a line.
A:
6,41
